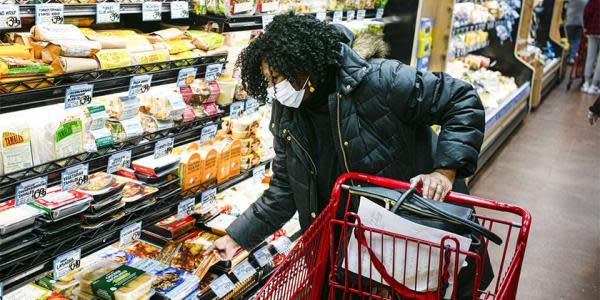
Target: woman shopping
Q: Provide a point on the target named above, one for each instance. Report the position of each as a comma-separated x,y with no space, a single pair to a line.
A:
340,107
591,26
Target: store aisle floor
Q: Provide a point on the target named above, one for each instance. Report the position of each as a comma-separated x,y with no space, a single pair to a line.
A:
551,167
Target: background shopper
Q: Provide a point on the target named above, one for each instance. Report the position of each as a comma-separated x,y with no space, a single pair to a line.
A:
574,26
591,24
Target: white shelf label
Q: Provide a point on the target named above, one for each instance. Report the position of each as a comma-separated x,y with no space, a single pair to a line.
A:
269,6
151,11
337,16
321,16
180,10
208,196
66,263
360,14
163,147
222,286
74,177
263,256
282,244
350,15
235,109
78,95
379,14
243,271
208,133
118,161
49,13
130,233
243,7
266,20
30,190
213,72
108,12
186,76
139,85
252,106
185,208
258,173
10,16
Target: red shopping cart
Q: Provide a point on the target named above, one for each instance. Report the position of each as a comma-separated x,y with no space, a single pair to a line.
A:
324,246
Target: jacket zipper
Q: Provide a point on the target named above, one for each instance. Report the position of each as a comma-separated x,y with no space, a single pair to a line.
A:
306,152
339,127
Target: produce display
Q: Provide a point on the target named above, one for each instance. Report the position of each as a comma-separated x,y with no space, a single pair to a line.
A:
249,7
492,87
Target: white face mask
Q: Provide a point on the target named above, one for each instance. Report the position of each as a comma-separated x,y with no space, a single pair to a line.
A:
285,93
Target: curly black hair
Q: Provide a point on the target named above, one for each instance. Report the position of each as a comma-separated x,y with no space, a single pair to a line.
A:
291,45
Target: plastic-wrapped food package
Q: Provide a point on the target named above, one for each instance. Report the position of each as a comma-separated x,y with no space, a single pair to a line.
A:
16,50
123,283
119,107
123,130
52,32
179,46
114,58
169,282
70,48
152,124
19,67
60,135
268,6
14,218
15,148
231,7
163,104
190,256
169,34
58,204
96,135
205,40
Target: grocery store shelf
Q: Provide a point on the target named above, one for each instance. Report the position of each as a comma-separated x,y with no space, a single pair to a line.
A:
29,93
479,26
239,23
503,120
550,77
457,54
97,161
89,9
29,267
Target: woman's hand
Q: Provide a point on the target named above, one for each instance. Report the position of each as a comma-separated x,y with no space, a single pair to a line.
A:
435,185
225,247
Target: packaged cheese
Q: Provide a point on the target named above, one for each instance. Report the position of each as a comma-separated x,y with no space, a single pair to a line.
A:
168,34
70,48
205,40
18,67
138,43
122,130
152,56
119,107
223,156
57,134
75,64
16,148
152,124
179,46
235,158
183,55
190,170
16,50
107,42
163,105
113,58
54,32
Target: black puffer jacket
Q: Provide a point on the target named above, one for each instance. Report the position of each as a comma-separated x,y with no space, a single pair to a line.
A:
381,115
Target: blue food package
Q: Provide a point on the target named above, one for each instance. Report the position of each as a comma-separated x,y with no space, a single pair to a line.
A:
170,282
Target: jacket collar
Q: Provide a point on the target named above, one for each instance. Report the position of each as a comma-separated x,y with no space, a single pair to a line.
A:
353,67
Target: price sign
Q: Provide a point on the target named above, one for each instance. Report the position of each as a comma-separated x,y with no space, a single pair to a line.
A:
151,11
251,106
282,244
185,208
379,14
10,16
222,286
49,13
186,76
244,271
337,16
208,196
74,177
66,263
208,133
258,173
118,161
360,14
163,147
266,20
30,190
213,72
322,16
350,15
235,108
263,256
108,12
139,84
130,233
78,95
180,10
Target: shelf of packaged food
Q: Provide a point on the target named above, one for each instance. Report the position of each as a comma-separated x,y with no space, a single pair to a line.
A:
40,91
97,161
479,26
251,22
456,53
550,77
89,9
500,122
23,268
